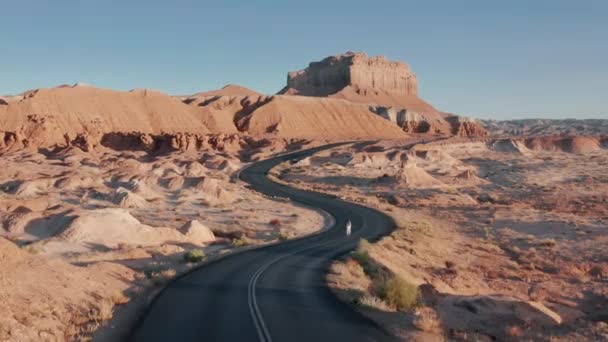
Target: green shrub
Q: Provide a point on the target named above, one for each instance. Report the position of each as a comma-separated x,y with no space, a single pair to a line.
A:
399,293
195,255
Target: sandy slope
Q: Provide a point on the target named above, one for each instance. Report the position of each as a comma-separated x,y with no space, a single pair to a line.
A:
228,90
46,299
45,116
319,118
49,117
298,116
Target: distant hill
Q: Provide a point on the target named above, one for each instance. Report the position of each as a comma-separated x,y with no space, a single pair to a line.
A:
228,90
345,97
546,127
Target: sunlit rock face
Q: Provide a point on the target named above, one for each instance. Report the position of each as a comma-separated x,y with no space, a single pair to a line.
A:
365,74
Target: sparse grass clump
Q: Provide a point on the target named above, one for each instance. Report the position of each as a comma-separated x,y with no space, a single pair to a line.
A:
193,256
547,242
421,227
398,292
372,302
282,236
361,254
426,319
104,311
33,249
239,242
487,234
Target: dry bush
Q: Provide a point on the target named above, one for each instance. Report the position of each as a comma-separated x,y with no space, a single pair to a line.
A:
242,241
283,236
105,310
193,256
547,243
398,292
123,246
361,254
34,249
421,227
426,319
373,302
168,273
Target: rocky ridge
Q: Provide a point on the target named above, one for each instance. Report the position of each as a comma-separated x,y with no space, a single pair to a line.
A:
350,96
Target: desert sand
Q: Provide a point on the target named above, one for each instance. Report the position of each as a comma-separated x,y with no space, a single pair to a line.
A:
85,232
505,238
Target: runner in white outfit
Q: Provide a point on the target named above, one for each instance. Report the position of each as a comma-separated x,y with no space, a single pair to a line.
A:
349,227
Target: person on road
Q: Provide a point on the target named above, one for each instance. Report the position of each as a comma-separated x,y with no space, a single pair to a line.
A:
349,227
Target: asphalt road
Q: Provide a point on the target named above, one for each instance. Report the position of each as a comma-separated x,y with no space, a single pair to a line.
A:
275,293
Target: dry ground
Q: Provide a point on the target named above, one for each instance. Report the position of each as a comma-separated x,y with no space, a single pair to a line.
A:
504,244
84,232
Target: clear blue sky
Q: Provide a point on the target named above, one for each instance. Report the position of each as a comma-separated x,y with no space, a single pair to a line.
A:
501,59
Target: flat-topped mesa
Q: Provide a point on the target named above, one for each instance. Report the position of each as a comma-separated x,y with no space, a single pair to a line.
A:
357,70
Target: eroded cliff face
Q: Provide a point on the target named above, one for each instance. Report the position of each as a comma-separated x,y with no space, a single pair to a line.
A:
365,74
378,73
465,127
410,121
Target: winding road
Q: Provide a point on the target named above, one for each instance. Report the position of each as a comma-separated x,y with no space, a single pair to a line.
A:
273,293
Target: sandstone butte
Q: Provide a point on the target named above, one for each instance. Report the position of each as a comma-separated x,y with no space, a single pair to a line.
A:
390,88
342,97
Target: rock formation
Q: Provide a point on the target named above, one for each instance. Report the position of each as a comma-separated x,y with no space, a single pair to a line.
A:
547,127
569,144
349,96
197,232
390,88
335,73
466,127
413,176
413,122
